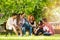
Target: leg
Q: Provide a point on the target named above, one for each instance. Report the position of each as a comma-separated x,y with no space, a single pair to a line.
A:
23,30
14,29
10,32
33,30
20,31
47,34
39,31
29,27
7,32
30,30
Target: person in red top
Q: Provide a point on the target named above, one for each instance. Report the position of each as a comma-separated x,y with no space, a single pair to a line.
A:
48,28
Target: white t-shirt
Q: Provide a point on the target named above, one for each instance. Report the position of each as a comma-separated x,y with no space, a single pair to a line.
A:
45,28
10,22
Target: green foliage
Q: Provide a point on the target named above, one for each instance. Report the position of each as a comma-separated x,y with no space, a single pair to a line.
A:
34,7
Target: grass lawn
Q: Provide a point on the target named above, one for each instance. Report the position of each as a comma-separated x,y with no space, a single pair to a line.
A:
41,37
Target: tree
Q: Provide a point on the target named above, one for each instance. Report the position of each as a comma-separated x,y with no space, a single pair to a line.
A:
34,7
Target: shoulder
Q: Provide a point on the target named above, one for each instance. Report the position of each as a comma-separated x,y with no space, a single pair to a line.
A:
48,23
10,19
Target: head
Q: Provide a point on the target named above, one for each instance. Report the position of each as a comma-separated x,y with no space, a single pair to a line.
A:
40,22
44,20
18,16
14,15
31,18
22,15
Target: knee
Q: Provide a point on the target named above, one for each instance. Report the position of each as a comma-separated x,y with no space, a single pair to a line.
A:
23,28
30,28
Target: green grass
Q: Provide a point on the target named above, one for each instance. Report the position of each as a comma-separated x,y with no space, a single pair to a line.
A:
41,37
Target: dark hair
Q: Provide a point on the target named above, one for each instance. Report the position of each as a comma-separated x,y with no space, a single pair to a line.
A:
13,14
44,19
22,13
41,22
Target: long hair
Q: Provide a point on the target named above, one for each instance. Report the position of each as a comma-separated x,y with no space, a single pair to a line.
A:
18,19
30,17
45,20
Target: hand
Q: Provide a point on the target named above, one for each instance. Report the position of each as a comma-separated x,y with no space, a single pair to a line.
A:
35,31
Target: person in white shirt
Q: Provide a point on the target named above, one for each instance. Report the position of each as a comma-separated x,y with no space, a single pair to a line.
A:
11,24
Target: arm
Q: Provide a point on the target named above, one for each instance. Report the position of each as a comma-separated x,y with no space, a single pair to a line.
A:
34,24
36,30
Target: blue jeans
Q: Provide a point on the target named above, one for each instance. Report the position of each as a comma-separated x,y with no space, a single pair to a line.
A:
23,30
46,34
25,27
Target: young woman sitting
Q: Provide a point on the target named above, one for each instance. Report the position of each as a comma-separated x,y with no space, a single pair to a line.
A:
32,22
48,28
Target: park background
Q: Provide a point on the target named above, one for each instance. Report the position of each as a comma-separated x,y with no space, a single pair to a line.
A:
49,9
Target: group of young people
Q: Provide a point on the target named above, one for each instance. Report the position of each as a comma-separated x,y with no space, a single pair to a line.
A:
20,24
